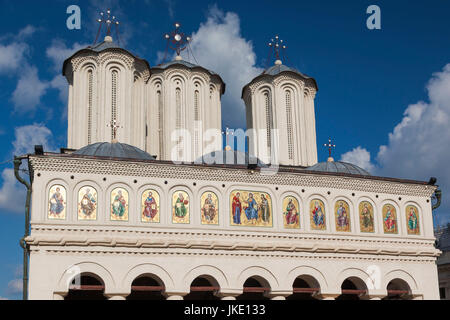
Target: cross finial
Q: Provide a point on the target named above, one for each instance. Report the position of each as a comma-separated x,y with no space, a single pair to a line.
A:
330,146
108,20
177,40
277,45
227,133
114,126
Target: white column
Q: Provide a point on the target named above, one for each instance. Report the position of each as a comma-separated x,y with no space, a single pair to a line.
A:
58,296
116,297
175,297
278,298
228,298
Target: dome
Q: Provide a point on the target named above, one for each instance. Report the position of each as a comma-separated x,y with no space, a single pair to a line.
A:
113,150
230,157
275,70
108,43
338,167
188,65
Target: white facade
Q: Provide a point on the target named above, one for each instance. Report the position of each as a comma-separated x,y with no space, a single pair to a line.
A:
118,252
284,104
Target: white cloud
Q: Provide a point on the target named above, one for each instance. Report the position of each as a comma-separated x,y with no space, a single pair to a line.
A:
219,46
15,286
3,298
12,56
12,193
360,157
29,30
58,52
418,144
29,90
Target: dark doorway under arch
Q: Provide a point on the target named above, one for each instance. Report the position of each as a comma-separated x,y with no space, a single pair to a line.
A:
254,289
146,288
90,287
398,289
303,289
203,288
352,289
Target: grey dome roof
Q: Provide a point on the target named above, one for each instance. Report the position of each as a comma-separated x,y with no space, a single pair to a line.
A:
104,45
338,167
277,69
114,150
231,157
188,65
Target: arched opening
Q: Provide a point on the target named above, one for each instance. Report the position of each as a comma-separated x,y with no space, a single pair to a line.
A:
203,288
254,288
86,287
398,289
352,289
147,287
304,288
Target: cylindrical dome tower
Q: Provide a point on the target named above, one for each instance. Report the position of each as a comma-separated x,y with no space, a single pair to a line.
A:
106,84
183,98
280,110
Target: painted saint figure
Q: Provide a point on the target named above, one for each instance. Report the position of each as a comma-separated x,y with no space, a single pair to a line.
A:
413,225
150,206
88,203
209,208
265,209
342,216
119,204
180,206
291,213
366,218
318,215
251,211
390,220
237,207
56,202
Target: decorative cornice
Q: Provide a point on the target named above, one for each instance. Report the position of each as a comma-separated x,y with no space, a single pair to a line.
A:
71,164
44,236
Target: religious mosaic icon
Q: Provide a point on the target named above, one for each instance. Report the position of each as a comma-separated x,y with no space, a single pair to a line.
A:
291,213
180,207
412,219
150,206
317,215
389,219
119,204
57,203
250,209
210,208
366,220
342,214
87,203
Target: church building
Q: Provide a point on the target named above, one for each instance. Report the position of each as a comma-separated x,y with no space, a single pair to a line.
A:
116,215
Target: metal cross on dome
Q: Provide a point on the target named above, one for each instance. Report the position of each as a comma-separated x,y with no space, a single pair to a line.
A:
114,125
108,20
227,133
177,40
277,45
329,145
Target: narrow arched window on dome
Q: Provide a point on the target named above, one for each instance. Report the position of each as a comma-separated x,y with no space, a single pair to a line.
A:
89,106
289,128
268,109
196,119
114,90
178,116
160,122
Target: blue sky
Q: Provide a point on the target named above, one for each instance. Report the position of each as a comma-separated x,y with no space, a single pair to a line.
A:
384,95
